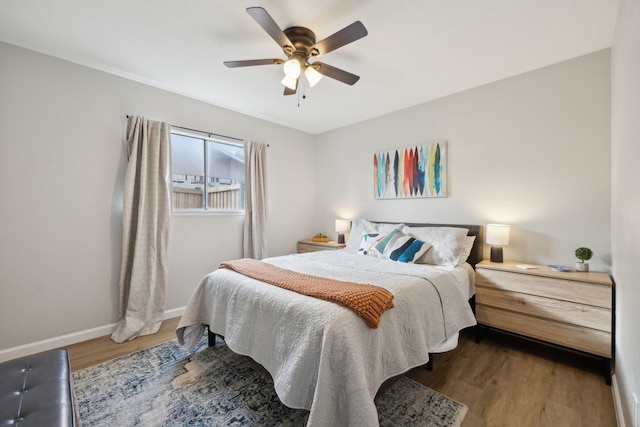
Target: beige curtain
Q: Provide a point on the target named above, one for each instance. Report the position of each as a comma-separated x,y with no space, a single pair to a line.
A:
255,200
146,220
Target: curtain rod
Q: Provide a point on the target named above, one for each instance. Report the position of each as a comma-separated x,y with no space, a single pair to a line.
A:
207,133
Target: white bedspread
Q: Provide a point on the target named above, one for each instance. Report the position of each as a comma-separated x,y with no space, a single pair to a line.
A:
322,356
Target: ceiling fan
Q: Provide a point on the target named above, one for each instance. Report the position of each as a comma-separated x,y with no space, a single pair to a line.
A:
299,45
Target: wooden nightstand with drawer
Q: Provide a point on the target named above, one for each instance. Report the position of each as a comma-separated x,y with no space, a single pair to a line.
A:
570,309
311,246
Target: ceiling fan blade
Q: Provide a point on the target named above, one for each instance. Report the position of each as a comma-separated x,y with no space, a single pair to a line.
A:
345,36
252,62
269,25
288,91
336,73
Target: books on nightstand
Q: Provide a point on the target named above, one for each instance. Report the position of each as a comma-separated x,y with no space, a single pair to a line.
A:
526,266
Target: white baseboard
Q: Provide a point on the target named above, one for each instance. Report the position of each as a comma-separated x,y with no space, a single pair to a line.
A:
72,338
617,402
175,312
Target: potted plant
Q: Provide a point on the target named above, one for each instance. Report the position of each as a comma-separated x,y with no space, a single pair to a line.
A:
583,254
320,237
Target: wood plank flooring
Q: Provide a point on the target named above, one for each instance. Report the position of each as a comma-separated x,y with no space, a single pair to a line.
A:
504,380
98,350
510,381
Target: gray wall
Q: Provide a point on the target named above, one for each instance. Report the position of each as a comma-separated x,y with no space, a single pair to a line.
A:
61,171
625,201
532,151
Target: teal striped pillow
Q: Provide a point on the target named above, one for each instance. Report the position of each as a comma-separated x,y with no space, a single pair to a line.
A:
401,247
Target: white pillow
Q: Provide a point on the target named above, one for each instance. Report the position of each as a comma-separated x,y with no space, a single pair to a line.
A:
359,226
368,243
446,243
465,250
401,247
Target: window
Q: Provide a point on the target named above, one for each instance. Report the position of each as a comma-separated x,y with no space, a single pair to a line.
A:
208,173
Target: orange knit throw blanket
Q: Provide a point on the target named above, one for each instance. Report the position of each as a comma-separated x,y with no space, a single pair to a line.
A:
368,301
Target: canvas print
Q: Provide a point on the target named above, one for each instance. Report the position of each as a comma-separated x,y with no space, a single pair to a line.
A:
418,171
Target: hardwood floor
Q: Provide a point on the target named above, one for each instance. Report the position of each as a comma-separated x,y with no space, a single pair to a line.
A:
511,381
504,380
98,350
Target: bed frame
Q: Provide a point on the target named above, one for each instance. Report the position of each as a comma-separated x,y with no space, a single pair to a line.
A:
475,257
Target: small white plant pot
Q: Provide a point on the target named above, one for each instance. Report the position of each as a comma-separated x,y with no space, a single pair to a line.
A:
582,266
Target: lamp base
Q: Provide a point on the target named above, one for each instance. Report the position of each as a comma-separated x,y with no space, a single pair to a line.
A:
340,238
496,254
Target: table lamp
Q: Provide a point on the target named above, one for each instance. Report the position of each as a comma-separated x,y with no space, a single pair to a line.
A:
497,237
342,226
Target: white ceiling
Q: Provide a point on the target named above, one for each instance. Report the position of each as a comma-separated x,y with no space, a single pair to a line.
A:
416,50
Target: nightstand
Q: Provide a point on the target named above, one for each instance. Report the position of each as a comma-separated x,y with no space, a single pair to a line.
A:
569,309
311,246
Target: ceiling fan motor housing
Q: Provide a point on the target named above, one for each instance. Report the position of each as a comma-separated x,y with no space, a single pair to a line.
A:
302,39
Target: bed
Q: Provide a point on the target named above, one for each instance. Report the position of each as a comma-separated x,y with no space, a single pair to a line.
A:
321,355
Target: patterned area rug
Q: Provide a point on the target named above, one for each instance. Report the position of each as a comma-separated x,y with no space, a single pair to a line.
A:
166,386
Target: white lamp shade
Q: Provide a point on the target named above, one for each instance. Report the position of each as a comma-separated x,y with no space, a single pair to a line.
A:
497,234
291,83
342,225
313,76
292,68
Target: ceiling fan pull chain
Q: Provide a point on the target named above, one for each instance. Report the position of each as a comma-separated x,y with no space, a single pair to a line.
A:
304,91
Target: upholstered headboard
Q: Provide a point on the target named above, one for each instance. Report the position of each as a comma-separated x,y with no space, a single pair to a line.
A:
474,230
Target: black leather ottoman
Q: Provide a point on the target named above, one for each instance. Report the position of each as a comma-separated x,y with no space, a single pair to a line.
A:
36,391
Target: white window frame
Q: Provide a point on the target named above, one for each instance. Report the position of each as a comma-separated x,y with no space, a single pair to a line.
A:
207,137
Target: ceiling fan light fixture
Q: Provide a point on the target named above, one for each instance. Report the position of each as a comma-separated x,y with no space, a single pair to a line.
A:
299,44
290,82
312,75
292,68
